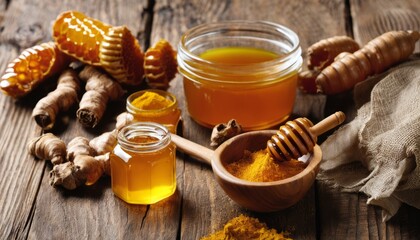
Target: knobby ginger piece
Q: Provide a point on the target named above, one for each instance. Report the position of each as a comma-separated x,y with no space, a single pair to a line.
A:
123,119
61,99
84,170
100,89
79,146
48,147
223,131
105,142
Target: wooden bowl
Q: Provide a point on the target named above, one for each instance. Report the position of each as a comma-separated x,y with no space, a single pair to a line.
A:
262,196
255,196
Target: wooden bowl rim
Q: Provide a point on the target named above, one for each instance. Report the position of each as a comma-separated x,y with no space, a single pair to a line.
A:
315,160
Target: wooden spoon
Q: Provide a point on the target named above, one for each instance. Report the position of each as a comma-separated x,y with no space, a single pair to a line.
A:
256,196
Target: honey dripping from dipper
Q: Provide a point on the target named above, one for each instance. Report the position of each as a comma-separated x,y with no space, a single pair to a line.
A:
298,137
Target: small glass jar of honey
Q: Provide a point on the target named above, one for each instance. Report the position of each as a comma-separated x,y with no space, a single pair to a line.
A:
143,164
243,70
154,105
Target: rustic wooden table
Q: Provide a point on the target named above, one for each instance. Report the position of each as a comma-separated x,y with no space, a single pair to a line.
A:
31,208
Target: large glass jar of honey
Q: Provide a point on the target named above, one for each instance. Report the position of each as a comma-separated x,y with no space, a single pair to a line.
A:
243,70
143,164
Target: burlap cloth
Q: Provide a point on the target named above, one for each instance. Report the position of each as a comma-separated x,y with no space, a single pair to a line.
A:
378,153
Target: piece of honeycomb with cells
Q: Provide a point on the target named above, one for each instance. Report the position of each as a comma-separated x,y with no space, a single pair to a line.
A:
31,67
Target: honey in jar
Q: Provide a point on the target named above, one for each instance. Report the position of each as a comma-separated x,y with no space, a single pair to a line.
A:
240,70
143,164
155,105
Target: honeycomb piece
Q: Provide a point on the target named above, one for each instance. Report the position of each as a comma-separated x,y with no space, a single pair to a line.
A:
160,65
79,36
32,67
90,41
120,55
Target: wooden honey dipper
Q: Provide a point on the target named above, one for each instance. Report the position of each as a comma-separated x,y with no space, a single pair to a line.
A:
298,137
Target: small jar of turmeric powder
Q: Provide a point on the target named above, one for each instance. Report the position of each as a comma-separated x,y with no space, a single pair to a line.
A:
155,106
243,70
143,164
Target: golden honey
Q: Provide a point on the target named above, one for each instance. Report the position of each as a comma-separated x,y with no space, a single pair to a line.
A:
240,70
168,116
143,164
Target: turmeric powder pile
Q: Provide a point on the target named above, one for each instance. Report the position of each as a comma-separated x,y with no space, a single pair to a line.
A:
260,167
151,101
244,227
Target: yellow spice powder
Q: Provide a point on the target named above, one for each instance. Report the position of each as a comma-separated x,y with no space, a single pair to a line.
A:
246,228
151,101
259,166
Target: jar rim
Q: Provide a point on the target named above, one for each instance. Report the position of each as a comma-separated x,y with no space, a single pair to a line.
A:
144,129
133,109
291,59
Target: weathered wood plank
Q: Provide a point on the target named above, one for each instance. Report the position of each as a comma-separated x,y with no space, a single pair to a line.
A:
20,174
345,215
373,18
205,207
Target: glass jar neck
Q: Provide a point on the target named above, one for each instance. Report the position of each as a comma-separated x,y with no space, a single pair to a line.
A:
262,35
144,137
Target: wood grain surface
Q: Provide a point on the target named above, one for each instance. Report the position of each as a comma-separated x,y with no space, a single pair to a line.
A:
31,209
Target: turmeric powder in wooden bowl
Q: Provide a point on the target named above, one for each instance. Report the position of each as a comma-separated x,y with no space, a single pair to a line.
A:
257,196
262,196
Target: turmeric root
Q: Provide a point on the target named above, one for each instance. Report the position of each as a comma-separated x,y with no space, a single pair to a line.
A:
99,90
84,170
306,81
375,57
61,99
48,147
79,146
105,142
160,65
321,54
32,67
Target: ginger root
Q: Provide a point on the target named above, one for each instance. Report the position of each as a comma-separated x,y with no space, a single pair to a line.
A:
99,90
321,54
79,146
375,57
123,119
61,99
105,142
83,167
48,147
223,131
84,170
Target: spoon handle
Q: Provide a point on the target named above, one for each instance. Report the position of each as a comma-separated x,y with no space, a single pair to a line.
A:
195,150
328,123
